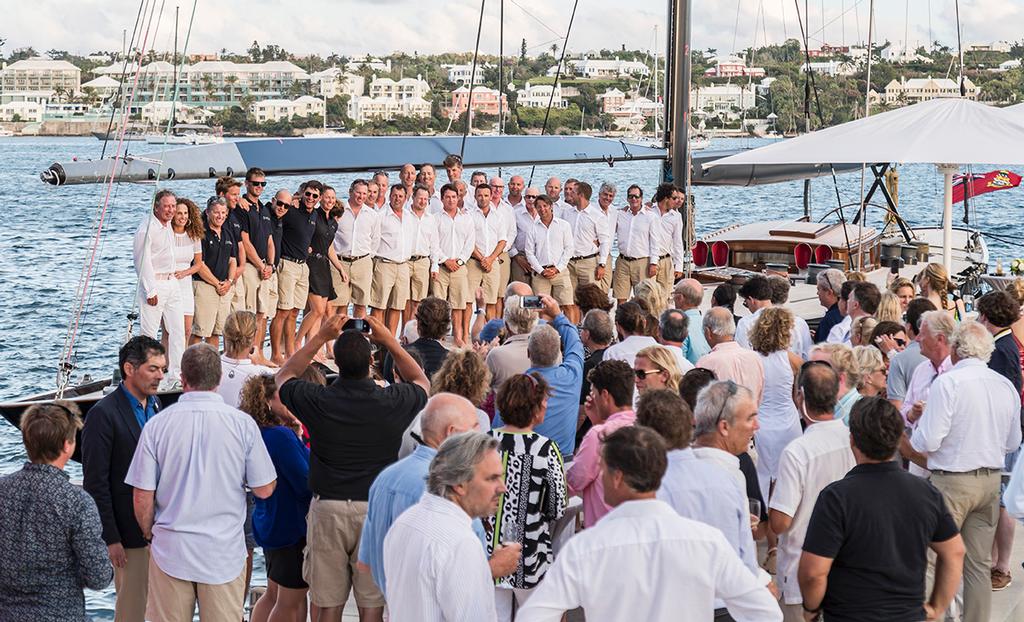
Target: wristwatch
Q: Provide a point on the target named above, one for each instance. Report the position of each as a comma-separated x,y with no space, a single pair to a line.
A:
459,262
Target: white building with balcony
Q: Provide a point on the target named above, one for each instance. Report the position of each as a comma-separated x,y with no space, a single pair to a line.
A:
538,96
160,112
830,68
406,88
366,108
921,89
23,111
719,98
461,74
37,80
275,110
335,81
595,68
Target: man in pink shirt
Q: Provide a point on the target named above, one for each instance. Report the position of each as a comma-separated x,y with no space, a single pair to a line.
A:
727,358
609,407
936,331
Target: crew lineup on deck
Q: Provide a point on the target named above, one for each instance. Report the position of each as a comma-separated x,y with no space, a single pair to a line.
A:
524,423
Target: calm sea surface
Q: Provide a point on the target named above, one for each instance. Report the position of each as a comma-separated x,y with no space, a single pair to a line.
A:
47,232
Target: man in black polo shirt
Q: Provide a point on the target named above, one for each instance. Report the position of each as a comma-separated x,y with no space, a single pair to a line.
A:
260,254
230,189
865,552
212,284
356,429
298,225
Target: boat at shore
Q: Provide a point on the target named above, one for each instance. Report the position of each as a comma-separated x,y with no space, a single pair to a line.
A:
186,134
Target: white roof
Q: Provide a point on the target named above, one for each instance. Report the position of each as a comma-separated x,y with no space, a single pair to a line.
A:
938,131
305,99
42,63
102,82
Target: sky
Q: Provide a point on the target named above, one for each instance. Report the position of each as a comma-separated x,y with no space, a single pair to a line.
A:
350,27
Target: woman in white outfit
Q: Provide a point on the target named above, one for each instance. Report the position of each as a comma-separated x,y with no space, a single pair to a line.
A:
188,255
777,414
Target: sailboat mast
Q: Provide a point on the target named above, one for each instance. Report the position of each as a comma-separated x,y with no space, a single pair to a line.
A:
657,94
677,111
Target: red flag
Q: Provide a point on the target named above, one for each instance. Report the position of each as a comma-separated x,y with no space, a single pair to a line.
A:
980,184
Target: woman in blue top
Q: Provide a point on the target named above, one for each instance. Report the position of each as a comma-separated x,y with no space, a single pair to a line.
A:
279,522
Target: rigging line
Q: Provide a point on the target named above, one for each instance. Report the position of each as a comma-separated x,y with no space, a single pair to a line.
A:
88,268
785,32
501,68
867,112
120,85
537,19
472,74
931,41
906,27
554,85
815,34
736,27
960,48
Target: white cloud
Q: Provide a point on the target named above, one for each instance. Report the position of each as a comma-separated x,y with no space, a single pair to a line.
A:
427,26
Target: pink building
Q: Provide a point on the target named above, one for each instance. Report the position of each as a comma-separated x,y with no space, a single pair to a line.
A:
485,101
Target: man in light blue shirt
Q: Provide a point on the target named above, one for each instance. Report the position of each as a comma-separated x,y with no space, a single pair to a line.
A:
698,489
687,296
565,379
400,486
190,471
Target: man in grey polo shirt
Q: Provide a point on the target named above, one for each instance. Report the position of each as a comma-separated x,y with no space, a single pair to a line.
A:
190,470
902,364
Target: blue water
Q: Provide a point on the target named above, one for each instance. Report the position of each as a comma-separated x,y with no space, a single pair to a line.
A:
48,231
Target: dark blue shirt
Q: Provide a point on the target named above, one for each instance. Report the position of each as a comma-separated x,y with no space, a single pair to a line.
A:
142,415
259,228
830,319
299,226
276,232
51,546
218,250
280,520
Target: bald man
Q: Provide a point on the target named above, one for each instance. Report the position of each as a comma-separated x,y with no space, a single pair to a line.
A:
553,188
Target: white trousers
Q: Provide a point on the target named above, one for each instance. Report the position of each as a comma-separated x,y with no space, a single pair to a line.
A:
167,308
503,602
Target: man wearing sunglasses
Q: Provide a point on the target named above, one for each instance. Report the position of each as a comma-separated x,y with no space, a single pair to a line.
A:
526,216
637,244
260,253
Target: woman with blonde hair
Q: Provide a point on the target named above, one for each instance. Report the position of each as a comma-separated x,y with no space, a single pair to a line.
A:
236,362
187,224
651,292
279,521
656,368
866,378
889,308
780,422
904,290
936,286
861,329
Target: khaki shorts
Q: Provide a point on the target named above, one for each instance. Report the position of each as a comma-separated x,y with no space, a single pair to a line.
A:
666,277
504,273
517,272
212,310
489,281
559,287
453,287
419,279
606,282
272,295
175,599
581,271
257,290
627,274
360,279
238,293
333,529
292,285
390,287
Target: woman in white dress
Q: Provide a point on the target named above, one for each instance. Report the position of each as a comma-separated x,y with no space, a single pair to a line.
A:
777,414
188,255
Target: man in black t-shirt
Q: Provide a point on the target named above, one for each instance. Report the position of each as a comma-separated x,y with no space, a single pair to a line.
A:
865,552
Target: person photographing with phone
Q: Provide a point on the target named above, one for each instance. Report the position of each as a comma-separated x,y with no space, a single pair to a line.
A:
356,430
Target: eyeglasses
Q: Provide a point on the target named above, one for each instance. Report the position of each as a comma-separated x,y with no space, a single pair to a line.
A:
282,204
258,183
632,196
312,195
643,373
497,186
733,388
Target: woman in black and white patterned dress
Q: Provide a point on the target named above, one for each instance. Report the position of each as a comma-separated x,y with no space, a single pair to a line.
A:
536,496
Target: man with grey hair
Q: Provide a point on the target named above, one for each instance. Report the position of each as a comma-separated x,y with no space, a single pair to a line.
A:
609,214
401,485
969,424
725,419
190,470
807,465
511,358
436,567
565,379
687,296
596,333
727,359
830,285
673,329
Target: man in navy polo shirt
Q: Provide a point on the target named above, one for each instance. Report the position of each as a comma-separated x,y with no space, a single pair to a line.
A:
213,283
298,225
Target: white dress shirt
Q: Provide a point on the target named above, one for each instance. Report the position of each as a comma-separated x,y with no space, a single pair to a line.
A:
455,237
233,376
723,460
153,252
840,333
800,341
590,236
808,464
509,214
645,562
435,568
358,235
668,232
424,237
608,222
626,349
397,235
971,419
635,234
489,229
549,245
524,224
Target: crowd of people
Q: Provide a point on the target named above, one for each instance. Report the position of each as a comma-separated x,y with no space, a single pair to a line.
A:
589,437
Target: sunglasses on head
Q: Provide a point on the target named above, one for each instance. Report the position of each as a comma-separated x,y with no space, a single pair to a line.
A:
733,388
258,183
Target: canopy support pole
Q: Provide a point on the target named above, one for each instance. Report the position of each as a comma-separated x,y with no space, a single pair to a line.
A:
947,170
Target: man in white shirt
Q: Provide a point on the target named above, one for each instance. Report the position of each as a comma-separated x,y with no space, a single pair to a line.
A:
491,238
629,322
159,298
808,464
668,232
407,177
381,179
607,211
970,422
390,283
427,177
526,216
455,242
553,188
190,471
548,248
423,247
638,245
644,561
435,566
355,242
591,242
673,329
499,203
758,294
862,300
725,420
453,167
516,186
